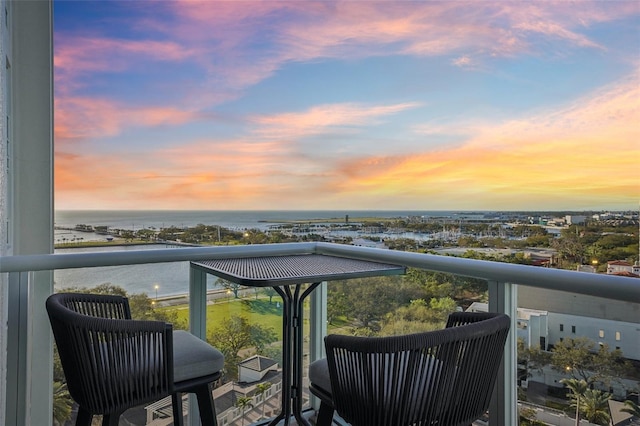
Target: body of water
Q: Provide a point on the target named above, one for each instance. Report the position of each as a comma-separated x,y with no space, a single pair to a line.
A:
173,278
135,219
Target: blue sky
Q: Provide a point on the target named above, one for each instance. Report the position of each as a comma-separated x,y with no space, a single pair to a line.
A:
365,105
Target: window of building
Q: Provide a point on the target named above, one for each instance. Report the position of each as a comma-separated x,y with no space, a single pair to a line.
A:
561,327
601,334
573,329
618,336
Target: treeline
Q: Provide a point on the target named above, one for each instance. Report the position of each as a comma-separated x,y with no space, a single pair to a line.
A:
418,301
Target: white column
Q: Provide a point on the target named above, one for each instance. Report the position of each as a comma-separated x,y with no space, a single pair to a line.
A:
5,41
30,197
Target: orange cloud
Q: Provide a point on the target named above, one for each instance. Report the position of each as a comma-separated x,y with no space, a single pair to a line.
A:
582,155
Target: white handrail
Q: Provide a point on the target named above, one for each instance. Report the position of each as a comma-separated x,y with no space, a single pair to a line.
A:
600,285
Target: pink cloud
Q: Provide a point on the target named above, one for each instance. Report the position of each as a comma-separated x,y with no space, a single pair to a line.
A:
83,118
75,55
304,31
321,118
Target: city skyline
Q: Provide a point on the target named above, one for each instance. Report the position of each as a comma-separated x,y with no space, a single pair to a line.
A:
358,105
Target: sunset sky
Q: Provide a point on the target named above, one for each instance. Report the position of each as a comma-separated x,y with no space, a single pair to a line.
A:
416,105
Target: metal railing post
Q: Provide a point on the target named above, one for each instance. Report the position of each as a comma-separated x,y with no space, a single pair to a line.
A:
197,324
317,329
503,410
198,303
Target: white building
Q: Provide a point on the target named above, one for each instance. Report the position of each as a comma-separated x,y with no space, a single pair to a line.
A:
546,317
622,267
610,322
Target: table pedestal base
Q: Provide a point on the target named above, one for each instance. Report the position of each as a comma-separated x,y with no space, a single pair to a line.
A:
292,353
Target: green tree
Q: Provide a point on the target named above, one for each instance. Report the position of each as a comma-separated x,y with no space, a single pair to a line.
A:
243,403
418,316
569,247
370,299
578,388
237,333
62,403
632,408
432,284
127,234
271,292
595,406
579,358
337,303
261,388
234,287
533,357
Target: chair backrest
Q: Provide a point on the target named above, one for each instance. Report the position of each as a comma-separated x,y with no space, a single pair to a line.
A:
443,377
110,362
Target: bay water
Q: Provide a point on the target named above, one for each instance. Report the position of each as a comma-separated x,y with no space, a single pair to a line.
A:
173,278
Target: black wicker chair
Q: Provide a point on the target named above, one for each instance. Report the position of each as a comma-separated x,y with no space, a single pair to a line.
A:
112,363
444,377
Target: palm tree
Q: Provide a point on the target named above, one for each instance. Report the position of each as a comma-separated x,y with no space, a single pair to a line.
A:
261,388
243,402
62,403
631,408
578,388
595,406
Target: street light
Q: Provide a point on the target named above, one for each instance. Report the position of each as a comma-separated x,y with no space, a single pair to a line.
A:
156,287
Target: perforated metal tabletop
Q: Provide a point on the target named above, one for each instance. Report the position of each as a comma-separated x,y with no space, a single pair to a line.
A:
271,271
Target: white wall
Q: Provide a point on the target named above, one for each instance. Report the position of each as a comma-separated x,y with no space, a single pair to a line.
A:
629,333
4,51
27,204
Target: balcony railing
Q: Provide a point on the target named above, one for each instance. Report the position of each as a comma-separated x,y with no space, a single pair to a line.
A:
502,279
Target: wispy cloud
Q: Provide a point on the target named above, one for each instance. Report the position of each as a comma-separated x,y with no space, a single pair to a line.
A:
578,151
323,118
586,151
84,118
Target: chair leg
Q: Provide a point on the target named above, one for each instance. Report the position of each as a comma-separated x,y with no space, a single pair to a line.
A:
112,419
176,404
83,418
325,415
206,406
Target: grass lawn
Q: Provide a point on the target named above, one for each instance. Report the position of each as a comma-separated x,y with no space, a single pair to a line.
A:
258,311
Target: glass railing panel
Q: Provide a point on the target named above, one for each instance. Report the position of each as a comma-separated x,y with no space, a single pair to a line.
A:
563,339
246,325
